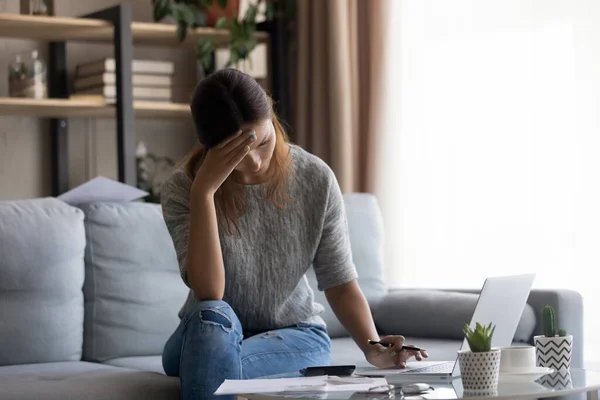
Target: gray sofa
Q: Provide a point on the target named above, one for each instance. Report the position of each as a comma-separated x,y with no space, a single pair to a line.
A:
88,297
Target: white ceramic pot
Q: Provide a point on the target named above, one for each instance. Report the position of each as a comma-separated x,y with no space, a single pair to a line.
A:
554,352
479,371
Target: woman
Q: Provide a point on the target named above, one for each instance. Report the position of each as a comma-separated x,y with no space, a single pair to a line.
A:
249,213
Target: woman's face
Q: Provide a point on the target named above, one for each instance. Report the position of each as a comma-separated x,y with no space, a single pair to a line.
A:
261,150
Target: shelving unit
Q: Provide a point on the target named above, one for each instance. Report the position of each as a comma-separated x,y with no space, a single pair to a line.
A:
98,30
65,108
113,25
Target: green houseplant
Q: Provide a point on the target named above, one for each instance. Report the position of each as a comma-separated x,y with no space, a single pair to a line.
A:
554,347
480,364
191,14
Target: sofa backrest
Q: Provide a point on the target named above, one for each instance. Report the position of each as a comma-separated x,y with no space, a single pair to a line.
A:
42,242
133,290
365,227
121,259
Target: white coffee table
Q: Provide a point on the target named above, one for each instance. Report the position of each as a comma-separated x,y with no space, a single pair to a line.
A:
577,381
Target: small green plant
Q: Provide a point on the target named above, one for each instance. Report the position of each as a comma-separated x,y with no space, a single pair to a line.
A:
549,323
480,339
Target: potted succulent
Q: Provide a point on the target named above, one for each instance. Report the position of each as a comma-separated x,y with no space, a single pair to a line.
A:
555,347
479,366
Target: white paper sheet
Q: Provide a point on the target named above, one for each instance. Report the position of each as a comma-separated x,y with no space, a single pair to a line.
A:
305,384
398,371
101,189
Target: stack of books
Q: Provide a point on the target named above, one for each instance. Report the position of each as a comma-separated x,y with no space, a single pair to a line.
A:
152,80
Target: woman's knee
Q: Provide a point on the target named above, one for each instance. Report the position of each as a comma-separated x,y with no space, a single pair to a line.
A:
216,313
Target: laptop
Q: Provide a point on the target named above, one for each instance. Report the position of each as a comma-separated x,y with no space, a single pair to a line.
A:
501,302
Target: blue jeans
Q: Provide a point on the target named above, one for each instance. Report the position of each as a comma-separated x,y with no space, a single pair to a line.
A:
209,346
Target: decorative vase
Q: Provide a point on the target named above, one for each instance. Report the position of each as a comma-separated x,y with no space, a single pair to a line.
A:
554,352
27,76
479,371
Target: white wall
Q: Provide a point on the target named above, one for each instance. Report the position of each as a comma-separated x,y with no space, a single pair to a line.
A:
490,159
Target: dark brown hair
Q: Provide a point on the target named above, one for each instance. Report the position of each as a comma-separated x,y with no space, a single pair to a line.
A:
222,103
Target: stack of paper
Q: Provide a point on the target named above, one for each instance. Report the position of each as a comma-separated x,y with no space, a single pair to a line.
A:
307,384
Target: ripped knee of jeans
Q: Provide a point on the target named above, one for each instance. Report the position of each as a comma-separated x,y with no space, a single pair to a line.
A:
216,317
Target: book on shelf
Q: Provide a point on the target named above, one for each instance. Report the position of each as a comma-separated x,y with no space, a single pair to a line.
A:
109,92
109,78
148,67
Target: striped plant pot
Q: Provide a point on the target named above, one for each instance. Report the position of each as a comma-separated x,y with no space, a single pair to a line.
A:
554,352
479,371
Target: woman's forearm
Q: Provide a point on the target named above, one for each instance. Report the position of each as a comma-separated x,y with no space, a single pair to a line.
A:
351,308
205,270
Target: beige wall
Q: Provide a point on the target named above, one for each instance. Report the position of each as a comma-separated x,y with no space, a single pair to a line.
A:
24,155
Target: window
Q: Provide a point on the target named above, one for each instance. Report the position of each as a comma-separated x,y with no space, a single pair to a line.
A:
490,156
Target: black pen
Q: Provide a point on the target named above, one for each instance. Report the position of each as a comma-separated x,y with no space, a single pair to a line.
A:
411,348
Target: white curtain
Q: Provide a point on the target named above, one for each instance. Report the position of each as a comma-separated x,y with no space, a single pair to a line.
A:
490,158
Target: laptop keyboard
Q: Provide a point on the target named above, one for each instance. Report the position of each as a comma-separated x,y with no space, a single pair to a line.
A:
444,368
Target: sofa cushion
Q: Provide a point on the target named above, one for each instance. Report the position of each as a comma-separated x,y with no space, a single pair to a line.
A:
366,239
42,242
436,314
143,363
82,380
133,290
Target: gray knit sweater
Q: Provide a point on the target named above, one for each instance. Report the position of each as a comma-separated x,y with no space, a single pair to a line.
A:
265,263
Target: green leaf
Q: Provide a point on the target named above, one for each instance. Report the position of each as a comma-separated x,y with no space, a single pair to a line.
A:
223,3
162,8
185,12
251,13
206,61
221,23
206,3
236,29
181,30
205,45
234,58
480,338
204,51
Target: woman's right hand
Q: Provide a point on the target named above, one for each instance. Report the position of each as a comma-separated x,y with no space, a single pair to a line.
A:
221,160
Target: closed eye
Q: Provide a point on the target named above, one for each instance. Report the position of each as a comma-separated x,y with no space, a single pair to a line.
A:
264,143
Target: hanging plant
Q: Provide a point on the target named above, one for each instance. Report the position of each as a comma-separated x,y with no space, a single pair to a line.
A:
191,14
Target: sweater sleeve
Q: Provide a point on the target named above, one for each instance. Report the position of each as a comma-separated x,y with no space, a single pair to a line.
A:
176,213
333,262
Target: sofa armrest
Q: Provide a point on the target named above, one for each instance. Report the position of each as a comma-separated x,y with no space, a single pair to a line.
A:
441,313
436,314
568,305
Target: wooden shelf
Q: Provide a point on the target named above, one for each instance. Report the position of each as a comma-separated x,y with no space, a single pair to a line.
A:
64,108
95,30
